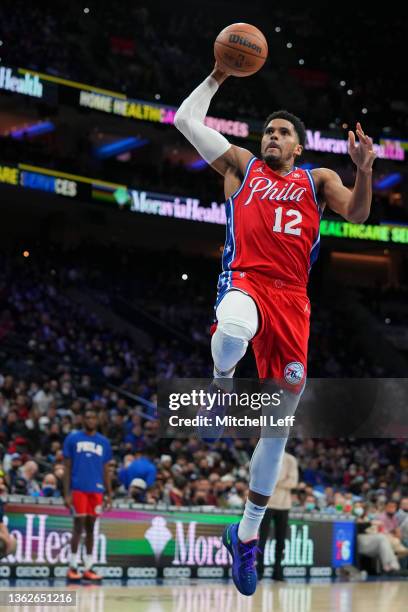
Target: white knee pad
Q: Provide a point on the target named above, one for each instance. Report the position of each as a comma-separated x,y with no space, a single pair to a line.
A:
237,317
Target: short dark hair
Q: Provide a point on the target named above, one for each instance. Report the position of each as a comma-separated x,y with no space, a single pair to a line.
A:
296,122
90,409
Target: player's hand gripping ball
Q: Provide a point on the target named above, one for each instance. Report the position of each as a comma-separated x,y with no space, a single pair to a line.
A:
240,49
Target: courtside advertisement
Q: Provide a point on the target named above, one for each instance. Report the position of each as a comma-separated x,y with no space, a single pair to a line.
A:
146,543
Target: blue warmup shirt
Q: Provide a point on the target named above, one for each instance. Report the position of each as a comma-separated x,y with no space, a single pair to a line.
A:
88,456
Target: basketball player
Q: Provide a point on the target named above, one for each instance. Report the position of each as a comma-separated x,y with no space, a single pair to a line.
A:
87,454
273,214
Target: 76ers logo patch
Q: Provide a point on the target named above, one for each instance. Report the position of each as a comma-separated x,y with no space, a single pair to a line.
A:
294,372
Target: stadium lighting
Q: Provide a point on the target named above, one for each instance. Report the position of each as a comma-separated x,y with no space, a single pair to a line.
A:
184,277
37,129
120,146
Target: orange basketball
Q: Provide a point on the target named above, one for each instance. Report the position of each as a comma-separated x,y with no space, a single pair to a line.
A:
240,49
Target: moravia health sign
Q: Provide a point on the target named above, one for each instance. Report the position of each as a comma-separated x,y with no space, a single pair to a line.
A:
132,543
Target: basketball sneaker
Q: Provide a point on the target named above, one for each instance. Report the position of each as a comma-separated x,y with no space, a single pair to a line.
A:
91,576
243,560
73,574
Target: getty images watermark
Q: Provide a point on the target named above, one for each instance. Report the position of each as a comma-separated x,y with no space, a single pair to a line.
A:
239,408
245,408
212,405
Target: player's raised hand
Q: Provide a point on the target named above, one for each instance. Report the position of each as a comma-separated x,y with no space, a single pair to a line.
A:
362,153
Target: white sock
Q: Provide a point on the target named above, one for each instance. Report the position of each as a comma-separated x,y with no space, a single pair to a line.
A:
73,561
250,522
88,562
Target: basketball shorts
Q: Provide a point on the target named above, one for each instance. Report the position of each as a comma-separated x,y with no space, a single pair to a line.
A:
87,504
280,344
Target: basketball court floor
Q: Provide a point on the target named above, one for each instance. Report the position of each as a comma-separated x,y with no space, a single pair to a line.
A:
387,596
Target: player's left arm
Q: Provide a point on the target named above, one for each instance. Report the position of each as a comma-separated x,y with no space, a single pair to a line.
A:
353,205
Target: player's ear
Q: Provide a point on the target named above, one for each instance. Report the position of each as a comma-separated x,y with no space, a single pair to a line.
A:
298,150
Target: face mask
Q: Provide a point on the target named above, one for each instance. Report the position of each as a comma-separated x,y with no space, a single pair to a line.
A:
310,506
358,511
390,514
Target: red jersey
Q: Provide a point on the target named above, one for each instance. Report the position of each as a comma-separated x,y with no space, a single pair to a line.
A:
272,226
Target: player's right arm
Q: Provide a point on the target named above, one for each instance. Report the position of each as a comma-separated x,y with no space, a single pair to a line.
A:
67,451
229,160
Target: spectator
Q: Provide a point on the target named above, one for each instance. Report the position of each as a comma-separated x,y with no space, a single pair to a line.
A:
58,471
49,486
391,528
372,542
278,511
14,470
402,518
28,472
137,490
140,467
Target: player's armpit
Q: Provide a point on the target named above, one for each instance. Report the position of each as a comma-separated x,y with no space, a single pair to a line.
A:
235,158
232,182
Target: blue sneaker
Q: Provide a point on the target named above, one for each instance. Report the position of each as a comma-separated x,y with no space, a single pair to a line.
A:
243,560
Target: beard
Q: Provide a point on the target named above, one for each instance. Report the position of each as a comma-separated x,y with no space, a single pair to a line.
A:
272,161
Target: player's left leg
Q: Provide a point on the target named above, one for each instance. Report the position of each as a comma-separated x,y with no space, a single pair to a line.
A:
281,356
280,352
79,508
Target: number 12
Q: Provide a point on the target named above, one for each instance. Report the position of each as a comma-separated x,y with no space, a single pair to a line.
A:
289,227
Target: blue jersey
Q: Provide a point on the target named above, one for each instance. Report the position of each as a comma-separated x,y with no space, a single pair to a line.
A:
88,456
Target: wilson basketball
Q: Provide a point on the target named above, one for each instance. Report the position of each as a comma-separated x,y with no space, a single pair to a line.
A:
240,49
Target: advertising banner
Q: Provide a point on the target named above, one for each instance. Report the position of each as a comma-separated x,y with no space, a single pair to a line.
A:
149,543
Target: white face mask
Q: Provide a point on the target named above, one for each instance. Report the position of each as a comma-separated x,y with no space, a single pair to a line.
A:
359,511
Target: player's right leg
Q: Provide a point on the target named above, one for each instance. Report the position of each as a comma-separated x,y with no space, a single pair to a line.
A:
237,324
73,572
237,318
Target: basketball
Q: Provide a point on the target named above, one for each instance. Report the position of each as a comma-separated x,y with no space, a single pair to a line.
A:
240,49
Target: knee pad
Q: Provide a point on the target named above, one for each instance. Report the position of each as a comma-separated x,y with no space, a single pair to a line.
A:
233,326
237,315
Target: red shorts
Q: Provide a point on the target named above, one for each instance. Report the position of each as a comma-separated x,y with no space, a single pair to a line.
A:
87,504
280,344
